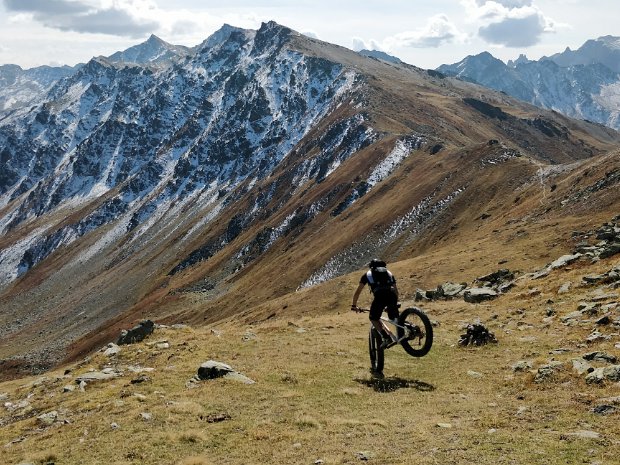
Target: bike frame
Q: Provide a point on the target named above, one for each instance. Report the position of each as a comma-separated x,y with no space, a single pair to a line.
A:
387,320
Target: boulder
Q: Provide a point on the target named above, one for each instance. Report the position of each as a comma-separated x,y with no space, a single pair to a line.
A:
522,365
600,357
94,376
563,261
477,334
449,290
497,277
479,294
137,333
420,294
547,372
214,370
599,375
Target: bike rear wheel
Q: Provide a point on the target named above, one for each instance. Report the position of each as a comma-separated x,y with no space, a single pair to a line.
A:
416,325
375,350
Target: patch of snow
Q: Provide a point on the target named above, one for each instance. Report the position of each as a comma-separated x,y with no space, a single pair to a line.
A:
11,256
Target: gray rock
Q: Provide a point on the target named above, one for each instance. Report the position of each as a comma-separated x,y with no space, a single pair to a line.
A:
450,290
497,277
111,350
137,333
48,419
564,288
97,376
581,366
604,409
479,294
563,261
600,357
522,365
364,455
547,372
594,278
584,434
597,336
600,375
420,294
477,334
213,370
610,250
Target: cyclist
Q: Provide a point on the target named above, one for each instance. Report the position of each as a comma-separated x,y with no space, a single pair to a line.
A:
385,295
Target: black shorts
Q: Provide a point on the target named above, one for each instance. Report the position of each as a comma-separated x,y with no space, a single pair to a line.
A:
384,299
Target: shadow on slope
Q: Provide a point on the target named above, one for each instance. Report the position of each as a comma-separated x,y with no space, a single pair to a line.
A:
394,383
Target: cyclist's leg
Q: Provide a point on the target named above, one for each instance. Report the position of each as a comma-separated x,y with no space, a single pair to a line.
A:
376,309
392,306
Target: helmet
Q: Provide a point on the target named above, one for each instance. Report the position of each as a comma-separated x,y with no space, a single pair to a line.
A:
376,263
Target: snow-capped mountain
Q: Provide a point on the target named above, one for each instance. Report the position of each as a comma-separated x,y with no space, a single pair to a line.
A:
604,50
380,55
255,164
145,140
20,87
153,51
584,84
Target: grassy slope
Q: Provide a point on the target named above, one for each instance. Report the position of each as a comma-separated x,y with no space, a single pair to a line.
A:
314,398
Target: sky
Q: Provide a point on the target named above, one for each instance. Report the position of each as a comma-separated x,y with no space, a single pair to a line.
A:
424,33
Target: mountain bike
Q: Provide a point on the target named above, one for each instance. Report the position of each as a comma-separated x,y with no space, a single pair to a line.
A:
414,333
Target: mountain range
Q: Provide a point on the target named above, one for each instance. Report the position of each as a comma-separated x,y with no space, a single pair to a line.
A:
196,185
583,83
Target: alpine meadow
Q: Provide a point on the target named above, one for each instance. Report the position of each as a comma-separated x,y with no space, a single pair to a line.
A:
232,194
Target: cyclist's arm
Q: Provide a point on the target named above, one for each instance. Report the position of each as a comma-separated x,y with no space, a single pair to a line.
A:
356,296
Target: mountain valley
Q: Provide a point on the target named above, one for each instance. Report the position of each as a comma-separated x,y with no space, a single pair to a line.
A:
262,164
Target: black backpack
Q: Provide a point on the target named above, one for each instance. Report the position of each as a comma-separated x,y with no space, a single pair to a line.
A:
380,279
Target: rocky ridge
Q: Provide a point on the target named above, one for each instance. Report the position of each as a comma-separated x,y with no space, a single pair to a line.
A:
136,191
581,84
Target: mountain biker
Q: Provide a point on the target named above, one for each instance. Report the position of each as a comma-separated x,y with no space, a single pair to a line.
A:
385,295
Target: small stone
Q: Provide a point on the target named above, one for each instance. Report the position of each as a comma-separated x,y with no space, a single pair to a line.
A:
111,350
522,365
114,425
363,455
444,425
585,434
47,419
146,416
564,288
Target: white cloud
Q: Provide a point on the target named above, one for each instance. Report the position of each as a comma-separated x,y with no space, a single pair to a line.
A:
507,3
510,23
119,17
438,31
360,44
311,34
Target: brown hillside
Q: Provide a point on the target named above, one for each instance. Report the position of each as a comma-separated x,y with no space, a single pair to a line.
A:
490,180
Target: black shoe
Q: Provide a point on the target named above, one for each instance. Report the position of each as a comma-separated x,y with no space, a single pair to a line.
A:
376,374
387,342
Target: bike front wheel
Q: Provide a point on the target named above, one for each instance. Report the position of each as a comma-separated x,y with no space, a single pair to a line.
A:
375,350
416,328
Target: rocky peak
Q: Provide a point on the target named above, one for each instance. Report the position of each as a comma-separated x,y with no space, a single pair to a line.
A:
604,50
153,51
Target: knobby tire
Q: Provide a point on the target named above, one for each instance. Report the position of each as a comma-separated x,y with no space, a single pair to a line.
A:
375,350
421,344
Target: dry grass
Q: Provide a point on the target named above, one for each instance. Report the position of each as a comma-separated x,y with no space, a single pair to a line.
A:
315,400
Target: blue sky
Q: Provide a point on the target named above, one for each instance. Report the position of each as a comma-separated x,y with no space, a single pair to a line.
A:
422,33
